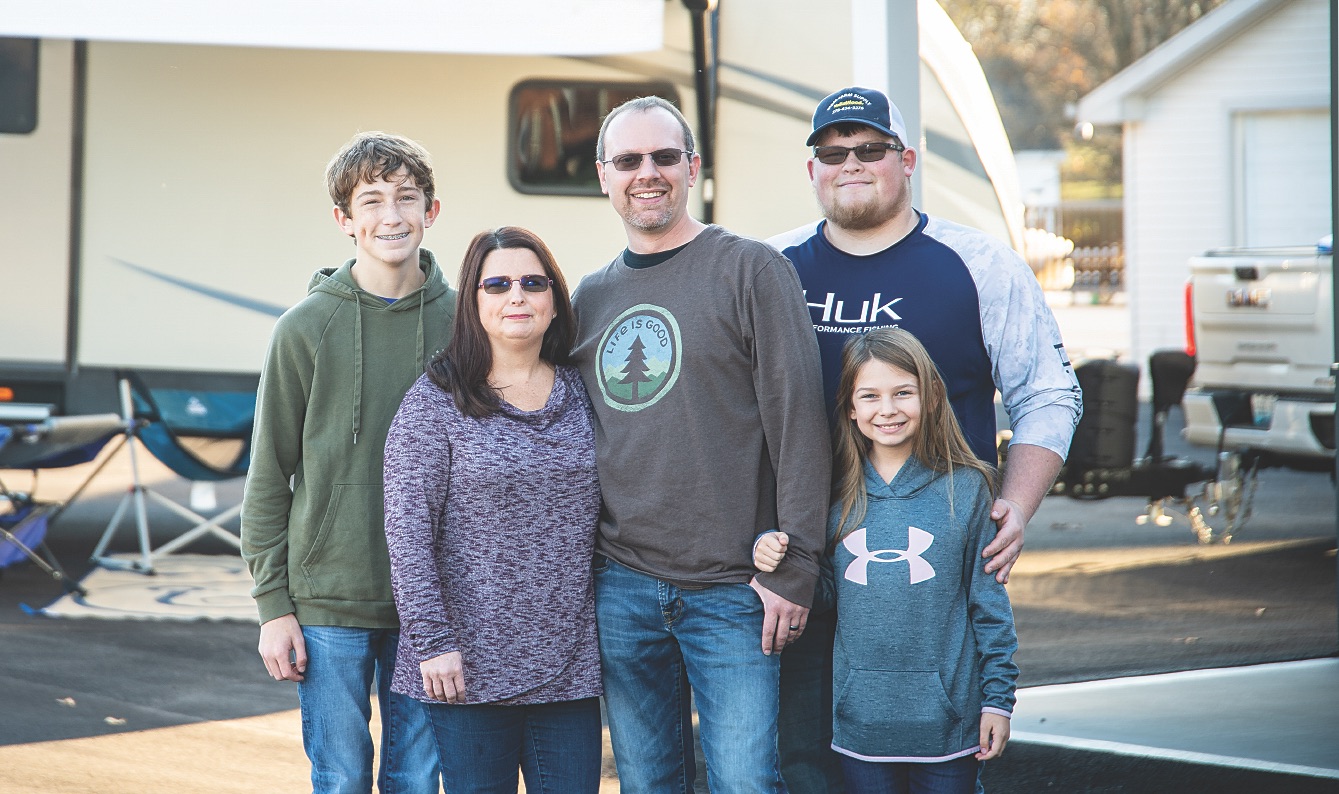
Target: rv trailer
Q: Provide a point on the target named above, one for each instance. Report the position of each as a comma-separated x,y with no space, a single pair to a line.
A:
165,160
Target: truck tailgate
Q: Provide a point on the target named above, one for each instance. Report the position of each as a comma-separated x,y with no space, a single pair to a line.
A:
1264,322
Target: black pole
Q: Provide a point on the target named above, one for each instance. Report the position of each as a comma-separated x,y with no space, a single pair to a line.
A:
78,123
1334,227
706,53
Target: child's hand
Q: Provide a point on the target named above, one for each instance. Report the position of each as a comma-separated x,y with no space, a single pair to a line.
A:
769,550
994,735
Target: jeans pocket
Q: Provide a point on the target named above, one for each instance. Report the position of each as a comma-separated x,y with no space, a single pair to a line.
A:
599,564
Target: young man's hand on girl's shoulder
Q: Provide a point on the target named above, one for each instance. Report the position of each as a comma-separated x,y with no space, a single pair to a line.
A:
768,550
994,735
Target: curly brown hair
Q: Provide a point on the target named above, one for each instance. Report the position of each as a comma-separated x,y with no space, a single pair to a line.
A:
369,156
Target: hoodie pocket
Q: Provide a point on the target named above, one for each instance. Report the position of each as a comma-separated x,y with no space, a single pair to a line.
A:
896,713
348,560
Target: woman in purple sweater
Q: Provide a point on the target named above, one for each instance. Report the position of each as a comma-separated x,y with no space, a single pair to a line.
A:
491,507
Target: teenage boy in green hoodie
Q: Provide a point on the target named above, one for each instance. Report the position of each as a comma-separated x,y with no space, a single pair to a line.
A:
338,365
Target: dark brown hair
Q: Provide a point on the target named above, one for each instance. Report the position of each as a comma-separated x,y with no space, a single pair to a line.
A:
462,368
370,156
846,129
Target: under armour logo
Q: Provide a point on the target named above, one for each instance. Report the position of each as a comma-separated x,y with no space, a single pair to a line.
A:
918,541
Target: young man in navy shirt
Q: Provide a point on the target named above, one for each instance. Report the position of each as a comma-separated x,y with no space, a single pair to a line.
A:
875,261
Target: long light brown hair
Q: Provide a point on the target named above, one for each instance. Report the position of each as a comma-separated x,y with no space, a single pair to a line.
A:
938,444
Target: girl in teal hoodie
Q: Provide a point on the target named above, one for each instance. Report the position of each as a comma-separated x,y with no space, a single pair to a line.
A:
923,670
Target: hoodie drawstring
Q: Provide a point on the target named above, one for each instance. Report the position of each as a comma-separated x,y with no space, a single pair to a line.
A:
357,364
348,289
422,354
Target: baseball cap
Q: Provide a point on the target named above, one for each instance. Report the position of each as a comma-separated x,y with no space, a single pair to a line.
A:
857,105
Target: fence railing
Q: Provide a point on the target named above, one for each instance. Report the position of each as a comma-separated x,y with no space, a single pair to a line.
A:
1077,244
1088,222
1099,267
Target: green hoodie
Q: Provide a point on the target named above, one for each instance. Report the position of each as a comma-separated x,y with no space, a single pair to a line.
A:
338,365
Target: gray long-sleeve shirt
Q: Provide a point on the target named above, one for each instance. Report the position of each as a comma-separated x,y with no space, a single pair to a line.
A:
704,374
490,524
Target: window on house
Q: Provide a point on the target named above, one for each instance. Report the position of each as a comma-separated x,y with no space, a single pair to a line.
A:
553,126
18,85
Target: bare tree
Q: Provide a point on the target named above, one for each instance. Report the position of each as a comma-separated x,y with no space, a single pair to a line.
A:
1135,27
1041,56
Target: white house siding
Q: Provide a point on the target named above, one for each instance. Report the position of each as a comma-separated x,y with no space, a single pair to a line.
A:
1181,175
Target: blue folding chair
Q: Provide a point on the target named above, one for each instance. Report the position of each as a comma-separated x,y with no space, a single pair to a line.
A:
32,438
203,436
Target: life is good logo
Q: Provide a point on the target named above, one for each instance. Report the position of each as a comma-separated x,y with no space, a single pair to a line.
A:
639,358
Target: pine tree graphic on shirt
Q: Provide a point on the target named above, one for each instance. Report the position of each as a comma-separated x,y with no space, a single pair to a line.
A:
636,370
638,360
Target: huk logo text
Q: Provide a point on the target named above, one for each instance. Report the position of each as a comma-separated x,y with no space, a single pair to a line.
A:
836,311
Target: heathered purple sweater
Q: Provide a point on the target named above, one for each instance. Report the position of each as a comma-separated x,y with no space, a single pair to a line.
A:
491,526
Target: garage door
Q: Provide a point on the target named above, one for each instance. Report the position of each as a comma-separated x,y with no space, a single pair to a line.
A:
1283,195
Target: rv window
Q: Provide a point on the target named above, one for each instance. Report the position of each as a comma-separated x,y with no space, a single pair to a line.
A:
553,126
18,85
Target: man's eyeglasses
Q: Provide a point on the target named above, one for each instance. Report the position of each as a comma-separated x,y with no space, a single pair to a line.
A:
663,158
497,285
865,152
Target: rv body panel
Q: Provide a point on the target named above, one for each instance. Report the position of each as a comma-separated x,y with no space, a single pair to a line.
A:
551,26
204,211
35,222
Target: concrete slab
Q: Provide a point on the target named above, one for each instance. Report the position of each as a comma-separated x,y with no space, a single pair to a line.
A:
1270,717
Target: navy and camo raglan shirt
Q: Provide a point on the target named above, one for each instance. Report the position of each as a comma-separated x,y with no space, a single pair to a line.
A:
975,305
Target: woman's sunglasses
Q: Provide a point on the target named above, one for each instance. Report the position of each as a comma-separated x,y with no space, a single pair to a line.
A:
497,285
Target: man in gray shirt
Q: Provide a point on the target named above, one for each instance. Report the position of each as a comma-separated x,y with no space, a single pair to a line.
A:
697,351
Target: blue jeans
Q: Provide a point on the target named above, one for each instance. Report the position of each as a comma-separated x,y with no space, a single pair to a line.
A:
809,765
946,777
343,664
557,746
651,634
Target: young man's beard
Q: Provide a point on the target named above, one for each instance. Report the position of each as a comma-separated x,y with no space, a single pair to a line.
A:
863,216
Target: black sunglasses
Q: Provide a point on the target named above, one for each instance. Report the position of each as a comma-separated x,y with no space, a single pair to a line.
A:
865,152
497,285
663,158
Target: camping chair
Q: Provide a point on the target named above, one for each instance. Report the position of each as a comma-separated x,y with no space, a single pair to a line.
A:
203,436
31,438
22,526
23,531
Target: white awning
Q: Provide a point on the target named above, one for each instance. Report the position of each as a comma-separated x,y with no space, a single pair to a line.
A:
505,27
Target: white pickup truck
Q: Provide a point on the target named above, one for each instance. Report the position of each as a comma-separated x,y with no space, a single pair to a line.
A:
1262,333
